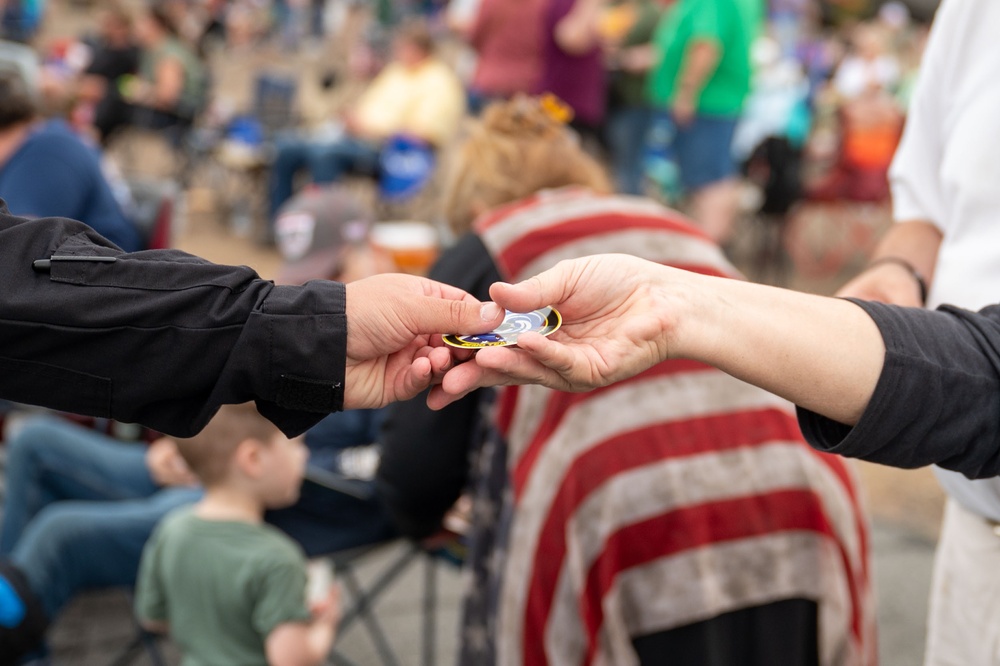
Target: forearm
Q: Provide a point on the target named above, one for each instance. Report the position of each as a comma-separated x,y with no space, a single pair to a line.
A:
916,241
822,354
700,61
161,338
319,642
300,644
168,86
576,33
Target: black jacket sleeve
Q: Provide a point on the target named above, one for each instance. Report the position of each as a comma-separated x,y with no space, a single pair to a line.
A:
160,337
425,454
937,399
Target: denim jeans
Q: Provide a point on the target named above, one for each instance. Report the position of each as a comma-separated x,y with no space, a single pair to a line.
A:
626,131
80,506
79,509
326,162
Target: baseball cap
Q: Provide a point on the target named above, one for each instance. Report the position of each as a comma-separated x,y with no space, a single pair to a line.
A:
314,229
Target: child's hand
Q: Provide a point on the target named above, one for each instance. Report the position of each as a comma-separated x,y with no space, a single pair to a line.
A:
327,611
166,466
302,644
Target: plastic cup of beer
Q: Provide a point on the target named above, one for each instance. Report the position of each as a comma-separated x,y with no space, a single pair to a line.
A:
412,245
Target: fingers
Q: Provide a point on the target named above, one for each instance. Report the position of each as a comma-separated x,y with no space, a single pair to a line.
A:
462,380
441,361
519,366
440,315
537,360
427,368
557,357
537,292
442,290
414,379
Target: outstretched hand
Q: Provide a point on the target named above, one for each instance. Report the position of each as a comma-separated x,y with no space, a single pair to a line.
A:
394,323
616,323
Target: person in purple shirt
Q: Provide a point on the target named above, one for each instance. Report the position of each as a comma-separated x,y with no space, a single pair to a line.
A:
572,61
48,171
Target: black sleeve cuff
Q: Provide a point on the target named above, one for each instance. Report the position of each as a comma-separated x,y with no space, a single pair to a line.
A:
937,399
878,423
304,333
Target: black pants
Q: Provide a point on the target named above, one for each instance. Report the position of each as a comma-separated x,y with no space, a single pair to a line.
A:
782,633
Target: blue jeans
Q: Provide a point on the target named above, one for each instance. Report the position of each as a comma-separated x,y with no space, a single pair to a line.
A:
626,131
80,506
79,509
704,151
326,162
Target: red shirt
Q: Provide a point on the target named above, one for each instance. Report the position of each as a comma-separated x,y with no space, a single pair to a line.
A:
508,36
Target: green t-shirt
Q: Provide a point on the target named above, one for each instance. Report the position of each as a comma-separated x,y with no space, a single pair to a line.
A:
732,26
223,587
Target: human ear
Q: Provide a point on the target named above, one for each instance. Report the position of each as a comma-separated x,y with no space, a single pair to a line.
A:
249,458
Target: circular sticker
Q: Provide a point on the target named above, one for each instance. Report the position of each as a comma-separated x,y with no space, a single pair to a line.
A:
545,320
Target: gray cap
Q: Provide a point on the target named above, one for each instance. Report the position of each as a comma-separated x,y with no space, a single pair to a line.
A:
315,228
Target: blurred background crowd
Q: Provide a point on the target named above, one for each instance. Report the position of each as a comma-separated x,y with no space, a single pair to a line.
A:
261,132
240,104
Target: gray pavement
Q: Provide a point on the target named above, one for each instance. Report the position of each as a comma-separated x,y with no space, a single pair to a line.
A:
98,626
903,563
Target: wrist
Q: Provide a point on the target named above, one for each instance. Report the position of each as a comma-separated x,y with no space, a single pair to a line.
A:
906,266
689,319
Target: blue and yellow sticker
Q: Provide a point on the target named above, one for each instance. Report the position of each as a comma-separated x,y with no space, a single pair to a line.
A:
545,320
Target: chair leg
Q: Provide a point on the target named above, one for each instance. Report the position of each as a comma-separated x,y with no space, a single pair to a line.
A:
385,579
430,603
143,641
129,653
363,600
363,603
363,608
340,660
152,649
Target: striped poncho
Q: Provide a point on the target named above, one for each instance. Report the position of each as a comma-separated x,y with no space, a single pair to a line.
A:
657,502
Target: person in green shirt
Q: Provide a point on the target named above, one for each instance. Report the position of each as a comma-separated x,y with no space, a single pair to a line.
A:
230,589
702,77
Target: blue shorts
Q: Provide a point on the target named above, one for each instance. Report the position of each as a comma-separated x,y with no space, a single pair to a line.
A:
703,150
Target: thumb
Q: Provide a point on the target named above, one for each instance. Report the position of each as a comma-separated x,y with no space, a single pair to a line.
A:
439,315
544,289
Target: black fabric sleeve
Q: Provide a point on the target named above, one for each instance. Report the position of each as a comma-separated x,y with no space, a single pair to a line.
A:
425,454
937,399
161,337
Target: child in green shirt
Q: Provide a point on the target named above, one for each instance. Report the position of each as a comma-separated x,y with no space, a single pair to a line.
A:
230,589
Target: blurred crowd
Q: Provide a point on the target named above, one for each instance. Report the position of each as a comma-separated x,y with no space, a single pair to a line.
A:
807,100
508,135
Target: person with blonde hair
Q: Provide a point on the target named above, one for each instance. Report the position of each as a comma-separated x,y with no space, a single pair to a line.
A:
678,513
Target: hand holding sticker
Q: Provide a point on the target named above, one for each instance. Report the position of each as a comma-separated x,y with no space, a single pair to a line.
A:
545,321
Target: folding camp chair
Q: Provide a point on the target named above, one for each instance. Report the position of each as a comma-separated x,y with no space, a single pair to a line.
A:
431,553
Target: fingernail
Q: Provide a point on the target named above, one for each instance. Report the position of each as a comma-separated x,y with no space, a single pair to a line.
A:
490,311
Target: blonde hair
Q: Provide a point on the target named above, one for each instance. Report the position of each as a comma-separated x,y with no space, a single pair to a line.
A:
209,452
515,149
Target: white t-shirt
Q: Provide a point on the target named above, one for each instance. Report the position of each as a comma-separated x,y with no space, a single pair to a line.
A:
947,171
